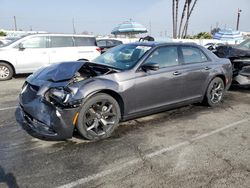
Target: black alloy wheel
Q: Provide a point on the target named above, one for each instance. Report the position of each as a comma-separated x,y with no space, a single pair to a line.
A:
98,117
215,92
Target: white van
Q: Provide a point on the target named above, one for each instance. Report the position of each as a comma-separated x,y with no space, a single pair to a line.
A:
31,52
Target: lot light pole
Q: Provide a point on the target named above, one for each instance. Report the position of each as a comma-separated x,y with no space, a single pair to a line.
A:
238,19
73,25
15,23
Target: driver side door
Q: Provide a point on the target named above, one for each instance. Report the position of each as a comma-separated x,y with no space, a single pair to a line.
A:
155,89
32,54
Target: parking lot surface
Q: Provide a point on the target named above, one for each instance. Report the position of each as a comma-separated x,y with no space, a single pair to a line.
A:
193,146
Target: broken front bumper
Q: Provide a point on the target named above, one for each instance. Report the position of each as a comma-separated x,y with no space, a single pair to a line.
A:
45,121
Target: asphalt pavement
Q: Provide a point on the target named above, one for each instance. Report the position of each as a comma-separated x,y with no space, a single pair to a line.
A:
193,146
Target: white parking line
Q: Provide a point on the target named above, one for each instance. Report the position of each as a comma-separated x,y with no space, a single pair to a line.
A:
8,108
149,155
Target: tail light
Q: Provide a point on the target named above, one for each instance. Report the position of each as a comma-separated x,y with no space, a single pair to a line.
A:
99,50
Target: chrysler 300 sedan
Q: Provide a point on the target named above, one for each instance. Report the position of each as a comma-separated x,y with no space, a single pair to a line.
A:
128,81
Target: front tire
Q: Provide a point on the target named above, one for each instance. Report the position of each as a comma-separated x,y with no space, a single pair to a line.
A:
6,71
98,117
215,92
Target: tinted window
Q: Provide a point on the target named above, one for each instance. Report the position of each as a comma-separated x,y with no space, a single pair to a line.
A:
193,55
35,42
110,43
164,56
245,44
85,41
101,43
116,42
57,41
113,42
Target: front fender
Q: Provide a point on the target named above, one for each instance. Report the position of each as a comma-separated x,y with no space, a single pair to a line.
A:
93,86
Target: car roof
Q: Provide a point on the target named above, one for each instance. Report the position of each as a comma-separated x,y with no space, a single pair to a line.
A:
58,34
154,44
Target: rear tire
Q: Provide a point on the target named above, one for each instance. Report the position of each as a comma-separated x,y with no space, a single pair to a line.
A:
6,71
98,117
215,92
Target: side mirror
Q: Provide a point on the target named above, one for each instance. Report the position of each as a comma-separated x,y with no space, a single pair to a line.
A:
20,46
150,66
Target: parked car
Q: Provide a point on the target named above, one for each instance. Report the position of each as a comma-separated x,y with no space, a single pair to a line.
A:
239,56
128,81
105,44
212,46
31,52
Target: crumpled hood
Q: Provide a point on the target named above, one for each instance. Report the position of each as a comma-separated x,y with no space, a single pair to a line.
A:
231,52
57,72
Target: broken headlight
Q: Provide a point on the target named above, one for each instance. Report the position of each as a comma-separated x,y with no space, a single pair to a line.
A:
61,97
58,95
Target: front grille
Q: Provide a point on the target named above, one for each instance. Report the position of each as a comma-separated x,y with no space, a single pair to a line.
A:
29,93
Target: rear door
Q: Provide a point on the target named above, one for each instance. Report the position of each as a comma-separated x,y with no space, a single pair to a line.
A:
62,49
195,71
86,48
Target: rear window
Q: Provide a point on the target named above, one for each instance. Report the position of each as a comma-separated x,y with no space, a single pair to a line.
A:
193,55
60,41
85,41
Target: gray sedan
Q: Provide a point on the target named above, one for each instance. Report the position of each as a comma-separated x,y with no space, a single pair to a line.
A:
128,81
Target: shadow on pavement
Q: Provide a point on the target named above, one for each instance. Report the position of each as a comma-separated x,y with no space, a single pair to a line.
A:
21,76
238,88
8,179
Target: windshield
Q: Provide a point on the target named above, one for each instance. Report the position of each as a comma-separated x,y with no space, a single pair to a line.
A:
245,44
10,40
122,57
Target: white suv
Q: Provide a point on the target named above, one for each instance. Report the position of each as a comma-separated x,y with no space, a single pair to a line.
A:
31,52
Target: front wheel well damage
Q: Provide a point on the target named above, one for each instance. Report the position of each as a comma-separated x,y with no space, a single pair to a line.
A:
117,97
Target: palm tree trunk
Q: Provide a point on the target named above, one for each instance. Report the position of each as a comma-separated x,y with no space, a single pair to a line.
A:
188,12
173,15
184,32
176,17
182,18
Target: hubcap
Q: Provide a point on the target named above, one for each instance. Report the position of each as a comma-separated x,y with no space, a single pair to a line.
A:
4,72
100,118
217,92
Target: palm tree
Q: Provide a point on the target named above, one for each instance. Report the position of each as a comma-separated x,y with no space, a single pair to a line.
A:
176,17
182,18
184,32
173,16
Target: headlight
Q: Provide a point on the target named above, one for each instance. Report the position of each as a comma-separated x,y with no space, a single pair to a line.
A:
59,95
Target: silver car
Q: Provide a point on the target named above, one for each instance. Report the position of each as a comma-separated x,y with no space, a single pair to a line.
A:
29,53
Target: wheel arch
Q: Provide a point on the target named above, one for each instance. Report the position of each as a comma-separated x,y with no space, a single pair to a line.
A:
223,77
82,59
116,96
113,94
7,62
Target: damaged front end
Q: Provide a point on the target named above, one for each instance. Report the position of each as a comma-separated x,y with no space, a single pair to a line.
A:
48,107
240,59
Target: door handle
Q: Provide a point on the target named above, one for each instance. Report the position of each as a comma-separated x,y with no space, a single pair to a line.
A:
208,68
176,73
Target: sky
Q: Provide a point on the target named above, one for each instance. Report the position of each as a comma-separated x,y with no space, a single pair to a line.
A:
101,16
